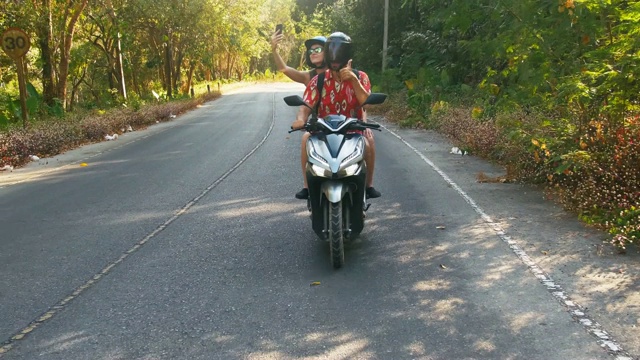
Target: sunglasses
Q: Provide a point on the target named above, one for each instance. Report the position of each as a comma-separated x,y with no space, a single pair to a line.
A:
317,50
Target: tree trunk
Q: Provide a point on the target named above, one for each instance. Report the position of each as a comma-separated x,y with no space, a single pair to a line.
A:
45,35
177,70
228,65
65,51
167,66
74,88
192,68
112,75
134,78
120,70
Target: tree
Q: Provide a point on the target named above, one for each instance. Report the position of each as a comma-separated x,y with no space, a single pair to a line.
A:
72,12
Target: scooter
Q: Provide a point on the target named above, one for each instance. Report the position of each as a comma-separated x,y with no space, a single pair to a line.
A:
336,173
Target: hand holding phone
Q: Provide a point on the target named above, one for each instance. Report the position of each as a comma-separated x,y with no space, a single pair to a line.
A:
279,28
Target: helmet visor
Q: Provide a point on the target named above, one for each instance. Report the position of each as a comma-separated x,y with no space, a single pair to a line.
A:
337,54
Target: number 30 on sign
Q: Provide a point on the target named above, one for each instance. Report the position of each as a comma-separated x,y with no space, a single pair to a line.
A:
15,43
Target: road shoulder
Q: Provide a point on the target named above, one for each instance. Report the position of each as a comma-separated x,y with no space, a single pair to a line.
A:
592,273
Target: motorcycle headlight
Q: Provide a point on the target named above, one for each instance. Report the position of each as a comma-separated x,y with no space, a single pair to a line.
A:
350,170
313,154
355,156
320,171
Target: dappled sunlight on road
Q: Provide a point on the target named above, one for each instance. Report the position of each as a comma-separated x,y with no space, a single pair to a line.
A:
65,342
325,345
251,207
432,285
235,284
444,310
431,291
432,250
484,346
620,281
218,338
476,234
53,173
259,210
495,272
521,321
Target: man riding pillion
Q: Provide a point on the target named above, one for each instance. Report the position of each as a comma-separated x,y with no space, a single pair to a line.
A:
343,92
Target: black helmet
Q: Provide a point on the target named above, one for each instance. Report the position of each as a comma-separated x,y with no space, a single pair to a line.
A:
337,50
307,57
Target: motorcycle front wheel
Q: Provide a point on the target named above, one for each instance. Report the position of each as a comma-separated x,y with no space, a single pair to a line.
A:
336,235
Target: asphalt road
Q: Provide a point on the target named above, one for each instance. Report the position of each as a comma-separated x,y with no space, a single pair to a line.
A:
184,241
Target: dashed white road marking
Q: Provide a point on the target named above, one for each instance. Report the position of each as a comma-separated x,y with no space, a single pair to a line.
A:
8,344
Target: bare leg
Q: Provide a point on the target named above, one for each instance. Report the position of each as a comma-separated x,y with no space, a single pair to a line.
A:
304,158
370,159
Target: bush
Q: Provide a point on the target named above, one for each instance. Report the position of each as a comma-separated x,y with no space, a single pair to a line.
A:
53,136
595,174
601,180
469,134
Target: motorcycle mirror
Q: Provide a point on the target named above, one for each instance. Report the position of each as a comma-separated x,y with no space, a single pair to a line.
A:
294,100
375,98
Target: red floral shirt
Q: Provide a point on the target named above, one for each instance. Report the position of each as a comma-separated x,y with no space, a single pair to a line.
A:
337,97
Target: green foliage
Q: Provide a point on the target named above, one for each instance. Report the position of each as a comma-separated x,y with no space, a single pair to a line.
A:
6,113
554,82
135,102
11,110
389,81
625,227
34,100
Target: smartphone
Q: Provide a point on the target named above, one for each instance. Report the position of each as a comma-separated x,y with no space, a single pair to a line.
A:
280,28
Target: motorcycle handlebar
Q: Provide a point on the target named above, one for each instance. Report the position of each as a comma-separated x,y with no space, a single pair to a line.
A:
369,125
360,125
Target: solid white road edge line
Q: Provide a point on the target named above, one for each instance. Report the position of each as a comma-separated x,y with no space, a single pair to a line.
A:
576,311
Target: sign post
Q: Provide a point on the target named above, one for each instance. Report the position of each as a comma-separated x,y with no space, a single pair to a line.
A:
15,43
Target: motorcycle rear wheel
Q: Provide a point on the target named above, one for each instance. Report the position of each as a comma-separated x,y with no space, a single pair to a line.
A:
336,235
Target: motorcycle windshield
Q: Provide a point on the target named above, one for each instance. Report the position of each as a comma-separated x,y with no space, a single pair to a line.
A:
334,121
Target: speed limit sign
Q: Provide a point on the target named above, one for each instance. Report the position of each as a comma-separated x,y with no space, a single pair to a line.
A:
15,43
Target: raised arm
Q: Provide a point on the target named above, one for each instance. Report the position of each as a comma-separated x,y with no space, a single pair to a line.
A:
298,76
359,85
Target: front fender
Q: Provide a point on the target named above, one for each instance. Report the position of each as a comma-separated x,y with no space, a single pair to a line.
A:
334,190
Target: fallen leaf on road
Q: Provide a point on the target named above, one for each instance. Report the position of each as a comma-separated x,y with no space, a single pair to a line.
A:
315,283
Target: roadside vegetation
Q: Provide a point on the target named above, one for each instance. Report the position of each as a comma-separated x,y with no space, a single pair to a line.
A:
547,89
